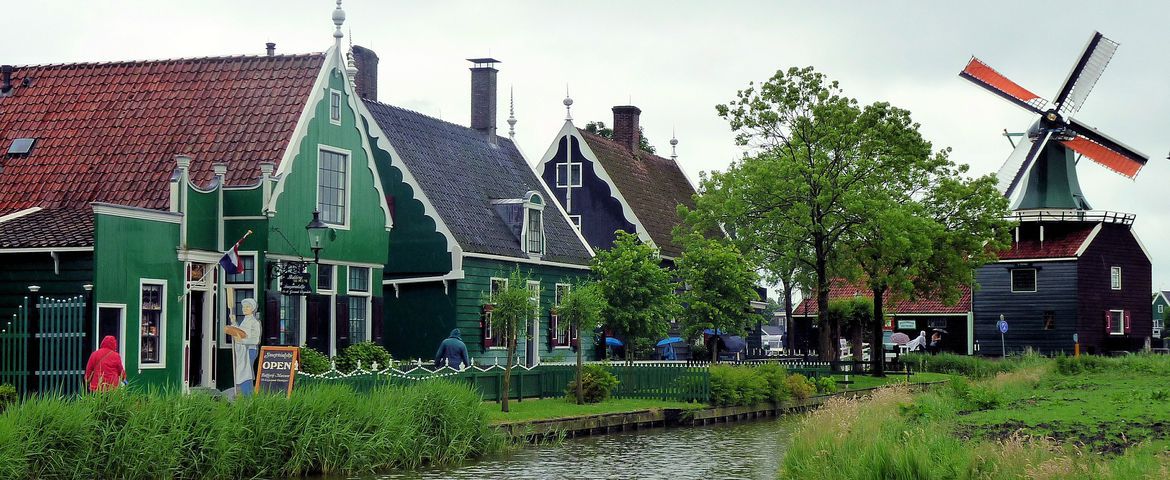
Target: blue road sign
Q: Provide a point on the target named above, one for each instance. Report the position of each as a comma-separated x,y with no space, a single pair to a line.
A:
1002,325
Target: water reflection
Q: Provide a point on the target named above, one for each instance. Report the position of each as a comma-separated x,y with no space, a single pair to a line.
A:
745,450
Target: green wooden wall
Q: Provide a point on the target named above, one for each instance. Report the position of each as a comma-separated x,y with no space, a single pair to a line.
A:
20,270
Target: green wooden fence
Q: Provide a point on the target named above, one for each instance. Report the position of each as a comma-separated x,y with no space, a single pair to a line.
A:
14,349
666,381
43,346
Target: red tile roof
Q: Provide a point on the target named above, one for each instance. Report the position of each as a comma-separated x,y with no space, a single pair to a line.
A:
841,289
109,131
653,186
1060,240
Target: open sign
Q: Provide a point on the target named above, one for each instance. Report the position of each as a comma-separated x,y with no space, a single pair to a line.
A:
278,369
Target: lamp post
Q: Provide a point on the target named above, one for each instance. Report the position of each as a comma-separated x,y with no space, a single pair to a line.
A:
316,229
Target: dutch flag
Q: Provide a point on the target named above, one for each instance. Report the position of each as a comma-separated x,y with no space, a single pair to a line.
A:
230,261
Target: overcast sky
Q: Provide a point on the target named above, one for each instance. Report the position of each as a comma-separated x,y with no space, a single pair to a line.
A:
677,60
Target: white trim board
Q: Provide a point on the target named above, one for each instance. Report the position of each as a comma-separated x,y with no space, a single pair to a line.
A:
19,213
330,261
1037,260
489,256
1089,240
136,213
440,278
46,250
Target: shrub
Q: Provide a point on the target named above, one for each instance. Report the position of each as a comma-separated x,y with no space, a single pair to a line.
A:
313,362
774,375
799,386
7,396
826,385
596,384
367,353
1082,364
737,386
973,367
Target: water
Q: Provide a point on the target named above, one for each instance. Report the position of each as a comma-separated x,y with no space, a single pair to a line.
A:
751,450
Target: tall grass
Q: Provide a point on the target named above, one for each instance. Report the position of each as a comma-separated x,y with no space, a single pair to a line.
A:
321,429
972,367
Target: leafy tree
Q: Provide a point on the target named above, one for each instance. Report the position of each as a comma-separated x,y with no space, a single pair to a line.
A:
512,307
582,308
719,284
856,315
599,129
638,292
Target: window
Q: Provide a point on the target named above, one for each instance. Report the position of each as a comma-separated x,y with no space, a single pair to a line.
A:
1160,307
324,278
576,219
534,295
1157,323
332,186
563,329
1115,278
335,107
290,320
241,285
1023,280
359,304
569,174
1049,320
535,232
497,285
247,273
152,304
1116,322
937,323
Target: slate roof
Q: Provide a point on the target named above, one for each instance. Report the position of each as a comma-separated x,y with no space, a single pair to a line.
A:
70,227
653,186
1061,240
840,289
461,173
109,132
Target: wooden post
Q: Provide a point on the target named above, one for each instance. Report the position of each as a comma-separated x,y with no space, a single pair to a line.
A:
33,328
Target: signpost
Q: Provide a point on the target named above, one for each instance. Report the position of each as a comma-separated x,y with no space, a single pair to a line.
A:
277,369
1002,325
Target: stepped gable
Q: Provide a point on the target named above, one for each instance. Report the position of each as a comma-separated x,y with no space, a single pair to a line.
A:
653,186
461,172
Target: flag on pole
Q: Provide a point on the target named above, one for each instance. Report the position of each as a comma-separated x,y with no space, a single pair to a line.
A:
230,261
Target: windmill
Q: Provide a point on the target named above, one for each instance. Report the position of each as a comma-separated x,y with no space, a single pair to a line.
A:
1044,164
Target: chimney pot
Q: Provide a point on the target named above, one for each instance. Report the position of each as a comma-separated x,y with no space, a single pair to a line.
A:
625,126
270,47
5,78
366,81
483,96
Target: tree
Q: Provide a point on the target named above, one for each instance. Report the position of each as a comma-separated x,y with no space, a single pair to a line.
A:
512,307
638,292
582,308
599,129
856,314
814,155
719,285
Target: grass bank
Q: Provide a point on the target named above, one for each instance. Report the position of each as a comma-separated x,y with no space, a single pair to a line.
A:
324,429
560,408
1063,418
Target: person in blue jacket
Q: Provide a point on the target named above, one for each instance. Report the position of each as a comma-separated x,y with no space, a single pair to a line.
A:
452,352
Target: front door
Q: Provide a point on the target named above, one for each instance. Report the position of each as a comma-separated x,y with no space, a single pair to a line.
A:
533,353
195,339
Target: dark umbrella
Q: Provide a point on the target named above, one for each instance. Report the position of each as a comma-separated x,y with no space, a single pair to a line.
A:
941,330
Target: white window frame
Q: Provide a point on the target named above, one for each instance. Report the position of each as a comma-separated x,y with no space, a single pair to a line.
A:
567,328
97,315
1118,323
316,283
492,300
222,305
530,206
367,295
335,94
1012,280
568,166
1115,278
535,296
1160,308
162,325
575,220
348,184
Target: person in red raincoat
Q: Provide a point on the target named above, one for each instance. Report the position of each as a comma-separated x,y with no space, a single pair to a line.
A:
103,371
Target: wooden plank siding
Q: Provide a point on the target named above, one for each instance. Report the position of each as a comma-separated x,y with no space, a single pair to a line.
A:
1056,291
1115,245
20,270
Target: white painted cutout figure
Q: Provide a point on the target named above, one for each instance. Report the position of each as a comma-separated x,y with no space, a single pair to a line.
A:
245,345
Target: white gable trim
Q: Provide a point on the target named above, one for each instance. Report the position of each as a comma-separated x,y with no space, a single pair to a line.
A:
1141,246
1092,236
535,261
136,213
1159,294
308,112
19,213
548,193
570,130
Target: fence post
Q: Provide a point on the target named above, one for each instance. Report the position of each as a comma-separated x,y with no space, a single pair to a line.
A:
33,329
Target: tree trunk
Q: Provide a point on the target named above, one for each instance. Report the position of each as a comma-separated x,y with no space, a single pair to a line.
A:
580,356
715,347
828,351
856,336
508,370
787,283
879,360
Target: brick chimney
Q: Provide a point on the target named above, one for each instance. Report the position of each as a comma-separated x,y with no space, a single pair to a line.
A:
483,96
625,126
366,82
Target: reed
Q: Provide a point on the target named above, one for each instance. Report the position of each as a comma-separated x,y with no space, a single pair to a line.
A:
322,429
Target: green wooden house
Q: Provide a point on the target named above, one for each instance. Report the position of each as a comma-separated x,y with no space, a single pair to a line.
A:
1161,309
142,173
474,211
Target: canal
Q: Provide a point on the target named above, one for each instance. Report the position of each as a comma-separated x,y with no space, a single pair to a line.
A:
749,450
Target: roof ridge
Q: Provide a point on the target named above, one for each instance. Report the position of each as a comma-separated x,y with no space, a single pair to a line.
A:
636,154
421,114
172,60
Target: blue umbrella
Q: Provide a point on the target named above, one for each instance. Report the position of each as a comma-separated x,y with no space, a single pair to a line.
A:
669,340
613,342
713,332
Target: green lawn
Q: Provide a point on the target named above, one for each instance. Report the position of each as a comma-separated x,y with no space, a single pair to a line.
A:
865,381
554,408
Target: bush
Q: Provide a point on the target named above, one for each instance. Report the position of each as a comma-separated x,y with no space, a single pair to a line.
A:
826,385
596,384
367,353
7,396
972,367
799,386
326,429
774,375
1082,364
737,386
313,362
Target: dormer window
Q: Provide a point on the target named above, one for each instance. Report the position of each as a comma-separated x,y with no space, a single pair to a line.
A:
335,107
533,224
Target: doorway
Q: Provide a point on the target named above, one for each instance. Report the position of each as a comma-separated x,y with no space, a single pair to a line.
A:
195,339
111,321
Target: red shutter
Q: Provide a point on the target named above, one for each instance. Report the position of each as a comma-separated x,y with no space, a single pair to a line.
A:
341,325
1108,321
553,320
1128,325
485,321
573,334
377,319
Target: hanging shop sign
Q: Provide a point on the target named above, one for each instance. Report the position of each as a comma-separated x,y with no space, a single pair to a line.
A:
294,278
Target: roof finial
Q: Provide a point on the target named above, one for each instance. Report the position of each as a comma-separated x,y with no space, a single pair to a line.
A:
568,104
338,20
673,144
511,113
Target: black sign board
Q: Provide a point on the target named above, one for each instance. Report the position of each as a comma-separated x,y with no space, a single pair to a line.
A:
277,369
294,279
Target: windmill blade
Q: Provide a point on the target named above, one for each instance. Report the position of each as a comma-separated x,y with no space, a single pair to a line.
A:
984,76
1084,74
1019,162
1104,150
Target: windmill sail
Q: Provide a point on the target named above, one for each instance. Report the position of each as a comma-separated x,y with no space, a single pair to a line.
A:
1104,150
981,74
1084,74
1015,169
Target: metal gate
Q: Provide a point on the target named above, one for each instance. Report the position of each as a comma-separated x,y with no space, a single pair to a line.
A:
43,349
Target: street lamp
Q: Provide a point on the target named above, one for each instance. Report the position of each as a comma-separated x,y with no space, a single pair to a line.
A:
316,229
